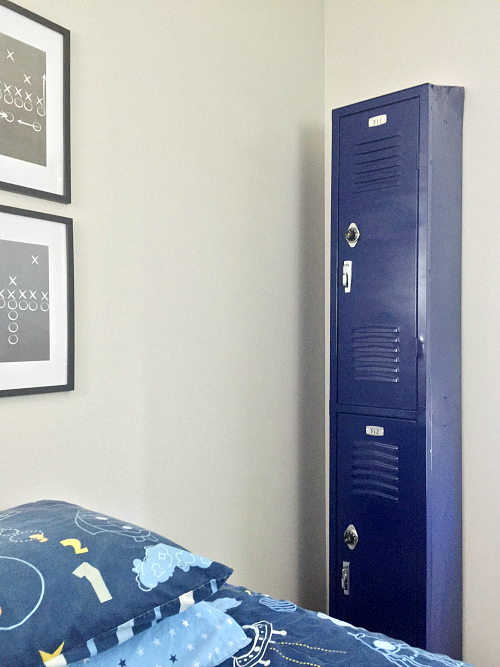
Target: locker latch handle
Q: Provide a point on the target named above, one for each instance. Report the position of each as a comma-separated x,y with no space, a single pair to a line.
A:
346,577
347,275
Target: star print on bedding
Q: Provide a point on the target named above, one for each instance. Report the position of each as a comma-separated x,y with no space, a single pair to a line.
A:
201,636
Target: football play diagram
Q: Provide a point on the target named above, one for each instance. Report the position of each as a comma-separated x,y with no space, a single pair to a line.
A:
24,302
23,83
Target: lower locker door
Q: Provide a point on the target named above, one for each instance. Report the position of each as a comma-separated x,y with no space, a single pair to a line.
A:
377,557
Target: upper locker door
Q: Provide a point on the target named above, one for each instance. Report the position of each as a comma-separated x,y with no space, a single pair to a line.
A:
377,303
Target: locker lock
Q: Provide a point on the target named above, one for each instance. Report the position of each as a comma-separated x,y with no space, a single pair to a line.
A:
351,537
352,234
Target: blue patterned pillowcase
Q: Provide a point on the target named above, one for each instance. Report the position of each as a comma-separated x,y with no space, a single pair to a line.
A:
202,635
74,582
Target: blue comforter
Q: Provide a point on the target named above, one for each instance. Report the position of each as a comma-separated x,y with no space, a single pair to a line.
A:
284,635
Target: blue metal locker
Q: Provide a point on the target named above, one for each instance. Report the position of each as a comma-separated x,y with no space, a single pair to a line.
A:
395,415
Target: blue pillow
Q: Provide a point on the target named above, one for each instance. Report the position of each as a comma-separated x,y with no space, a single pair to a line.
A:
202,635
74,582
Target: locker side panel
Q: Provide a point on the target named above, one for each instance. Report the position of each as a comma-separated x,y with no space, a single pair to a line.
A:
443,380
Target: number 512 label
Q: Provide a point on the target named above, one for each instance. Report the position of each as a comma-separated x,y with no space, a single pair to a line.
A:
375,430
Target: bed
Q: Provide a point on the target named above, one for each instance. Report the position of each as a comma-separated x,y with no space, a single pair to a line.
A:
80,587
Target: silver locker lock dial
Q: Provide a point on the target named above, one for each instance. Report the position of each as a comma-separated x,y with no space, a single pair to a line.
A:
351,537
352,234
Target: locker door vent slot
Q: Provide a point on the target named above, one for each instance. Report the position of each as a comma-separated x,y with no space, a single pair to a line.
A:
377,164
375,353
375,469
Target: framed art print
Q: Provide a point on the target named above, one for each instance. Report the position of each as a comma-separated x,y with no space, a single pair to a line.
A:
34,105
36,302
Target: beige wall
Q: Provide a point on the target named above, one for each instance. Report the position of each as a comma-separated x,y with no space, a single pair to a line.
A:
198,154
374,47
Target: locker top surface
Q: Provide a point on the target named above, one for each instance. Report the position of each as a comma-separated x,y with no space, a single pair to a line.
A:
425,91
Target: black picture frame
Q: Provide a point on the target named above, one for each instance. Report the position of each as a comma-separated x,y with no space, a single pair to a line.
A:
37,347
35,146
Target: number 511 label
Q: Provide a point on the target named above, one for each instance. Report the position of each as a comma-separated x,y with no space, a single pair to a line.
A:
375,430
377,120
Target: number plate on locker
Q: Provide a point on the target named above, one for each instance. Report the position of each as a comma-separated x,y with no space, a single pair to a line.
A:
374,430
377,120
